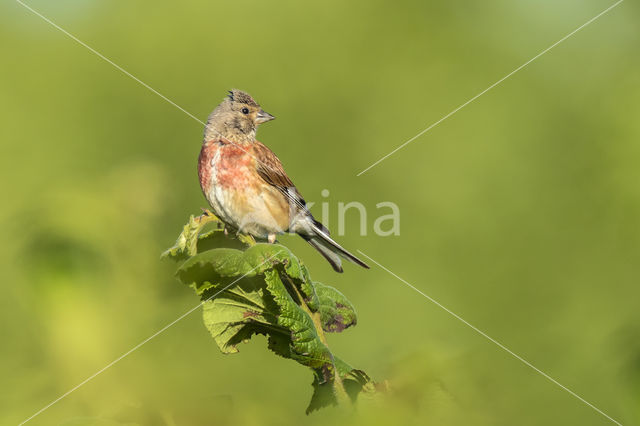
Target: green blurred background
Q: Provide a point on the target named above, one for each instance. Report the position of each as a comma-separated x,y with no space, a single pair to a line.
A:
521,213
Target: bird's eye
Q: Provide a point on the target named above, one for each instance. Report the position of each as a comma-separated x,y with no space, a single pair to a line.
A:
245,110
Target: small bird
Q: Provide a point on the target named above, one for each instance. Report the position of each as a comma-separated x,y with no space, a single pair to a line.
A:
246,185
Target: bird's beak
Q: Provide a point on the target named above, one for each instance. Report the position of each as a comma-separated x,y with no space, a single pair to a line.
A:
263,117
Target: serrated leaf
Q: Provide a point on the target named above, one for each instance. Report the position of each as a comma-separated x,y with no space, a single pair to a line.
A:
185,245
306,346
265,289
243,310
337,313
209,269
192,240
354,382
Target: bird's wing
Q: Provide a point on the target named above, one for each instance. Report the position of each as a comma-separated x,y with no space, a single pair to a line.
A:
270,169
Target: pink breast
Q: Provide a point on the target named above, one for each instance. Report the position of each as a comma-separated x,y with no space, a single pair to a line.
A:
207,153
234,167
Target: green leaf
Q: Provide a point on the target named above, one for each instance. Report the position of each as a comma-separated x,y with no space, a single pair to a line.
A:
337,313
214,267
265,289
186,244
354,382
240,312
191,240
306,346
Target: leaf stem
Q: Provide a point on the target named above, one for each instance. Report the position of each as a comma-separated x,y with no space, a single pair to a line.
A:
338,386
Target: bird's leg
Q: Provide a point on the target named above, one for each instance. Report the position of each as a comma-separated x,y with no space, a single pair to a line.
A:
271,238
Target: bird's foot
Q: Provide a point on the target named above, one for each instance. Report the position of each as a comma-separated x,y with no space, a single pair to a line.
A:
271,238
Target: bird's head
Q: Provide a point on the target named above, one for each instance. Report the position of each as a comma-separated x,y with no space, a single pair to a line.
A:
236,118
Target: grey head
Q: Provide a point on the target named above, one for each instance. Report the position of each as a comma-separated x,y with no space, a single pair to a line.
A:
236,118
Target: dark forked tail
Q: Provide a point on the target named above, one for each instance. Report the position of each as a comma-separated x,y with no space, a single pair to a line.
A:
332,251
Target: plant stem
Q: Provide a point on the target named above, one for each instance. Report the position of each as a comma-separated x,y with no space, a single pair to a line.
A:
338,386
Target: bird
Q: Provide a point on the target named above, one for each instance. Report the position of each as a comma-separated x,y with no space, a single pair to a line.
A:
246,185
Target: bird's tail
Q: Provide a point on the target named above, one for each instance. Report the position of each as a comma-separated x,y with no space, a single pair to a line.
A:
332,251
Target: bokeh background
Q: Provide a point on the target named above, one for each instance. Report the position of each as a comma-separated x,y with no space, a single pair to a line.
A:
521,213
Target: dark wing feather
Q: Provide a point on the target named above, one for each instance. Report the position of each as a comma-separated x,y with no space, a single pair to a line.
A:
270,169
